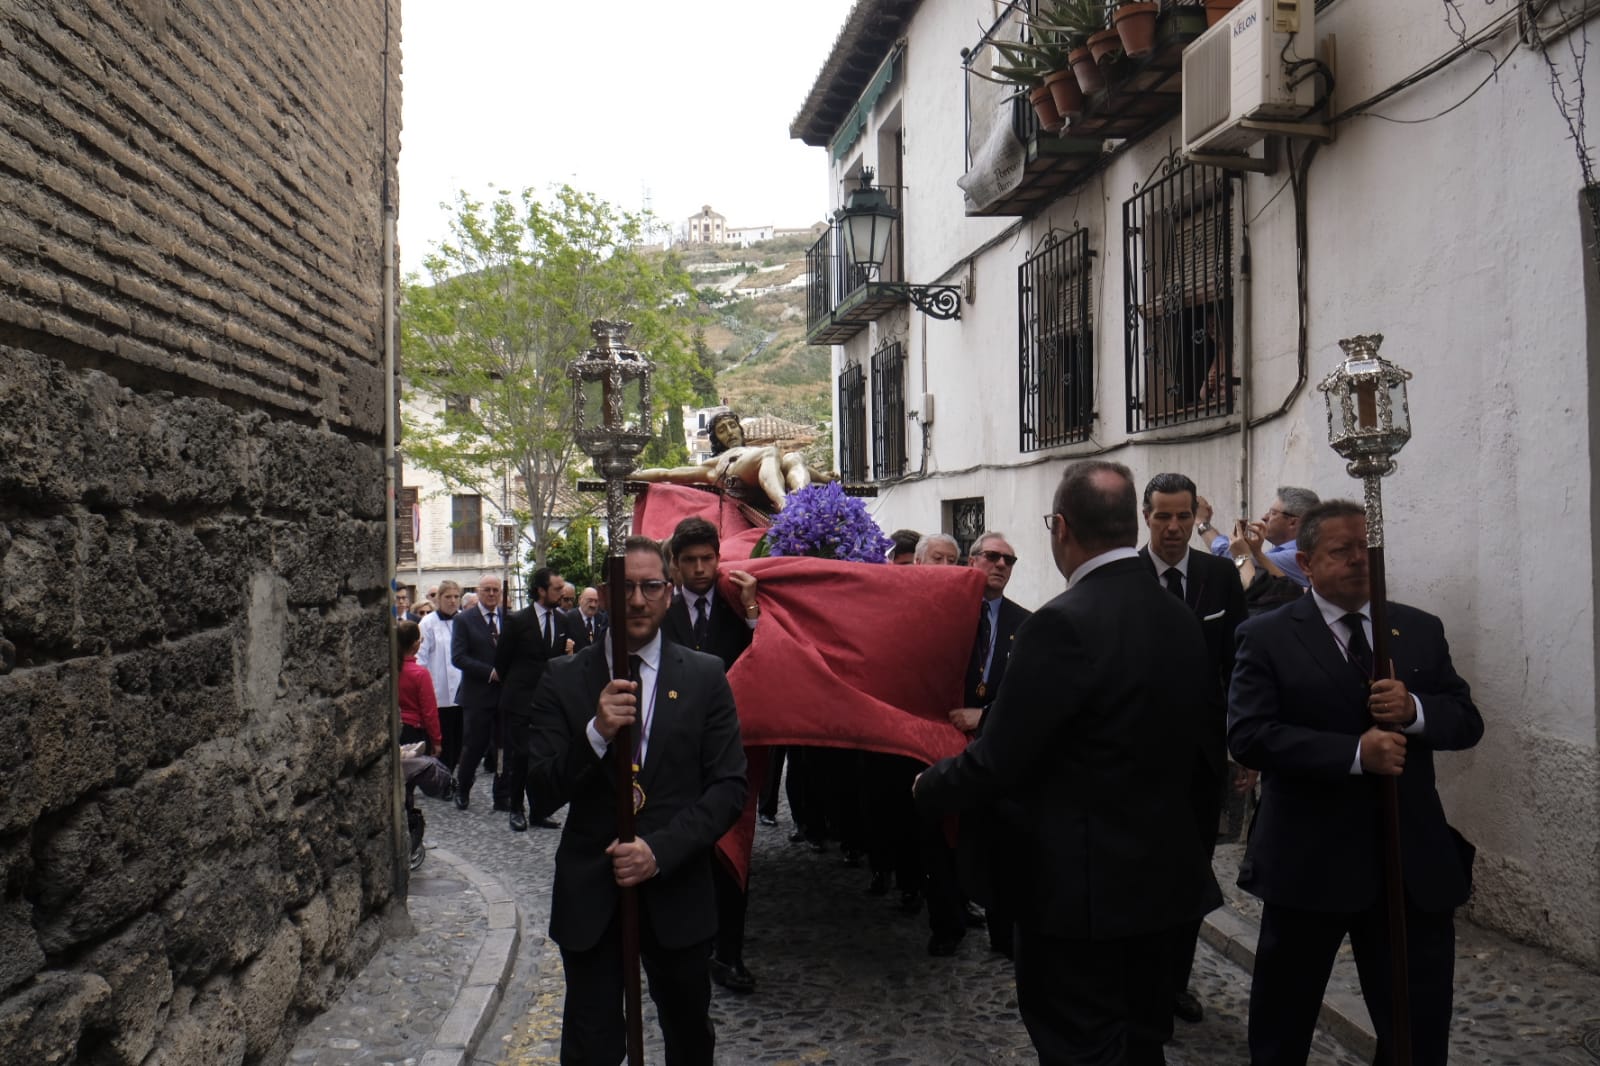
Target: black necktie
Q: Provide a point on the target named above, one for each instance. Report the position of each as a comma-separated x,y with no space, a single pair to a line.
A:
588,623
1357,648
494,630
549,628
980,650
699,623
1174,579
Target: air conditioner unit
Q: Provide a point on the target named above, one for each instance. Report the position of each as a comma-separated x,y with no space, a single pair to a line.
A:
1235,72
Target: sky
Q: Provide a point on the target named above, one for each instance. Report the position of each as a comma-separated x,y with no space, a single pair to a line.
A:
687,102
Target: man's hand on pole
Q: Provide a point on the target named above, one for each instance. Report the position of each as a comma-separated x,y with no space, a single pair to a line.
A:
633,862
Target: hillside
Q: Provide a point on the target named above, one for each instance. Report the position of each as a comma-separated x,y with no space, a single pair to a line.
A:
758,300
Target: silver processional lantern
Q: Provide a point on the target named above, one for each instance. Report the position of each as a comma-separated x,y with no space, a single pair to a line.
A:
611,412
1369,419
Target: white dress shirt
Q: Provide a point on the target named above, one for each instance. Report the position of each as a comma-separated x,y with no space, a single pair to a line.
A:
1333,615
649,665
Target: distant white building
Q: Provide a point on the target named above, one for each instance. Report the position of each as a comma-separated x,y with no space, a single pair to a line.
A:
707,227
745,236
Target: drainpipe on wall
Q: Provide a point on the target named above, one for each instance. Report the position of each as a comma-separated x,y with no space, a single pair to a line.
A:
1244,368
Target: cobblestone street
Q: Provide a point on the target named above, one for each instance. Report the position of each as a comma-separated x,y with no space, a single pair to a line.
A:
845,978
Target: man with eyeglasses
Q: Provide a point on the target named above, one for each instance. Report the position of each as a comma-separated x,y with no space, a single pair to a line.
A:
1096,733
1305,710
1249,545
689,790
990,836
1210,588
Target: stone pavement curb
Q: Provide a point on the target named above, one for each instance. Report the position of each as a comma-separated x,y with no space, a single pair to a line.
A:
474,1009
1343,1015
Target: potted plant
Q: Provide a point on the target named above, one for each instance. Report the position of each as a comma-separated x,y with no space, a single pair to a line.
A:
1040,68
1215,9
1075,21
1135,21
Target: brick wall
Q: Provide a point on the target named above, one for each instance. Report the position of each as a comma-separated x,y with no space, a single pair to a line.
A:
195,778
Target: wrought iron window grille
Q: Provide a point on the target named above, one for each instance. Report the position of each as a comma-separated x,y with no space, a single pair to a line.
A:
1178,287
853,423
889,412
1056,342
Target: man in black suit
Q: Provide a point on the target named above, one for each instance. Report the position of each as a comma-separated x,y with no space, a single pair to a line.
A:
989,836
1096,732
701,619
692,780
473,638
533,636
1210,585
586,623
1303,711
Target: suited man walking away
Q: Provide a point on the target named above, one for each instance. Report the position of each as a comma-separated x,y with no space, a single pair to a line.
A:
1302,710
473,638
1097,733
533,636
1211,588
701,619
692,780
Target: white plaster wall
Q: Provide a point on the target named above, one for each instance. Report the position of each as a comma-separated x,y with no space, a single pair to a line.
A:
1459,240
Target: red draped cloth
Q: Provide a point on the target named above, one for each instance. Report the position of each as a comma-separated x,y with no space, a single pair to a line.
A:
847,655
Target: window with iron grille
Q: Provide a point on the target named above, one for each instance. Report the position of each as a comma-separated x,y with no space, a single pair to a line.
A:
466,524
853,424
1178,236
1056,343
888,412
405,508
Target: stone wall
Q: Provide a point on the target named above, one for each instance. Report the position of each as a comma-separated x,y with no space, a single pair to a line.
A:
196,785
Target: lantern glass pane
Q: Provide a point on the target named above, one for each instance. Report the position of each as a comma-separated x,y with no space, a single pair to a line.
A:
1397,402
635,418
594,405
1368,418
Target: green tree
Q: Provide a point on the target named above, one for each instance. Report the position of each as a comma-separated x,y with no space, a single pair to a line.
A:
507,306
571,556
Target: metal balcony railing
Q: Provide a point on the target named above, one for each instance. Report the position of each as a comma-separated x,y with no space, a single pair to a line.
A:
840,296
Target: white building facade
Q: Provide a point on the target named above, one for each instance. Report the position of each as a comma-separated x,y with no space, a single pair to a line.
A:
1115,300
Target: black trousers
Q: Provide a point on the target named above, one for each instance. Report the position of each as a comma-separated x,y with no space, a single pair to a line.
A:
1294,957
593,1031
768,805
450,736
947,910
893,826
478,735
520,735
1096,1003
732,901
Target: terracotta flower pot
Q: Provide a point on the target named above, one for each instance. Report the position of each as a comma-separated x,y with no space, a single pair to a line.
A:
1063,86
1103,43
1090,80
1136,25
1215,9
1044,105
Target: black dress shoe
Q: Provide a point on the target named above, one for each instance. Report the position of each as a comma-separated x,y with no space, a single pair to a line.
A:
818,846
852,857
797,836
766,819
1187,1007
547,823
910,902
519,822
462,799
879,885
973,917
943,945
732,976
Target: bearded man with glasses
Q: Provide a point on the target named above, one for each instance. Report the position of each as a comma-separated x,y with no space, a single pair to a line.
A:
689,790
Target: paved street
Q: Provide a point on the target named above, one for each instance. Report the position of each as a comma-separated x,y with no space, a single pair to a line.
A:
844,977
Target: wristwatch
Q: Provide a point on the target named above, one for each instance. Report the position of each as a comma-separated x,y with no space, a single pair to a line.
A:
1239,562
1204,527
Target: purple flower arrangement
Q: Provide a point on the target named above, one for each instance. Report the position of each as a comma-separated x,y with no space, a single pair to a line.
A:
821,521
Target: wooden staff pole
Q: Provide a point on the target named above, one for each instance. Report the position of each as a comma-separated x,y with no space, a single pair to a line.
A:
622,767
1389,799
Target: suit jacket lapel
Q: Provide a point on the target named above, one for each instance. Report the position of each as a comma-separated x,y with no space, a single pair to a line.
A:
1314,634
664,716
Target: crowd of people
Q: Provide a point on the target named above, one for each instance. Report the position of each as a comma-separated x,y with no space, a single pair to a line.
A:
1110,734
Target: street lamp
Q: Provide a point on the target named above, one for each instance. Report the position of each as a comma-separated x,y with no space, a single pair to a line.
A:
867,222
1369,421
505,542
611,422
